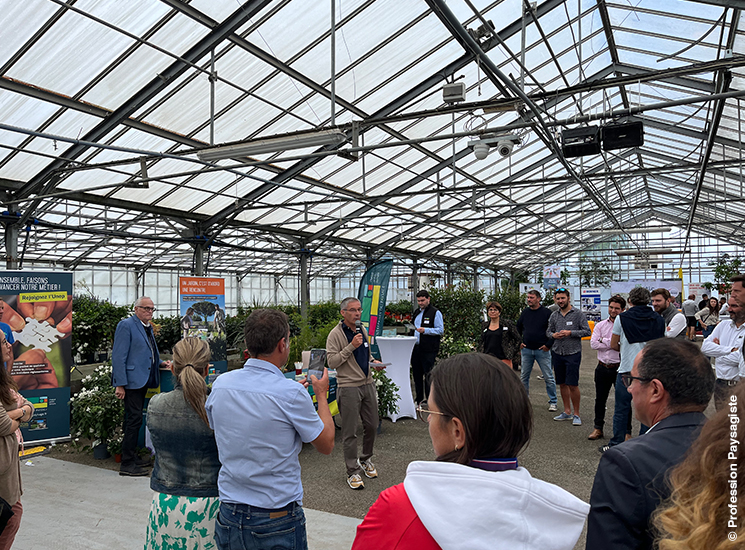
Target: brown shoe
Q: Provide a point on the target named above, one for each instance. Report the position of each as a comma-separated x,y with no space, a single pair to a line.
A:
596,434
628,436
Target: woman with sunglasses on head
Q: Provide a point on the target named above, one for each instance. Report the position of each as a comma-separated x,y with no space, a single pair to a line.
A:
184,477
500,338
708,317
14,410
474,495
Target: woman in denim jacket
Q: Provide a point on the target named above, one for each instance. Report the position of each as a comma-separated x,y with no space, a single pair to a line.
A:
186,463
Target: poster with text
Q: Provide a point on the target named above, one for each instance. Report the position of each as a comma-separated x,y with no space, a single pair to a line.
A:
590,304
36,317
202,306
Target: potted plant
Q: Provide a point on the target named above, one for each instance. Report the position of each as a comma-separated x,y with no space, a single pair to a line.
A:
387,396
115,444
96,412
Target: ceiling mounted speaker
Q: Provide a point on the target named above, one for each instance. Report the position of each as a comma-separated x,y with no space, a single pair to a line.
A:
621,136
580,142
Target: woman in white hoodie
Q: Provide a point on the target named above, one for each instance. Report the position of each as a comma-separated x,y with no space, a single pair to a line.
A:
474,496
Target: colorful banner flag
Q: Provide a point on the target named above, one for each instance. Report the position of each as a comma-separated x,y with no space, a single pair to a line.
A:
36,317
372,295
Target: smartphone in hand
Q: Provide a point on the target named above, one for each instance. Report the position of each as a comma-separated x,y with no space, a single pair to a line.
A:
316,364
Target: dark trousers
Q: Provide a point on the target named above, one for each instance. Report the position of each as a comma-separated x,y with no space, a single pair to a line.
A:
722,389
421,364
622,414
605,379
134,401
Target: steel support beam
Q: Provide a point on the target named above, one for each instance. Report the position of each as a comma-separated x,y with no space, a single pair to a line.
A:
202,48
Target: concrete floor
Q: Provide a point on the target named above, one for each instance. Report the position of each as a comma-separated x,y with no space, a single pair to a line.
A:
69,505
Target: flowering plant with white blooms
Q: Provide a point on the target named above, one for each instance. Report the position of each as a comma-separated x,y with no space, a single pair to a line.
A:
96,412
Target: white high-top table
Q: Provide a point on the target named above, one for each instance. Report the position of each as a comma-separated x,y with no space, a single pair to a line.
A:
397,352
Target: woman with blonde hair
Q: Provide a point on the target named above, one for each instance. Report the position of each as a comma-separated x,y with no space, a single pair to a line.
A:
184,477
697,514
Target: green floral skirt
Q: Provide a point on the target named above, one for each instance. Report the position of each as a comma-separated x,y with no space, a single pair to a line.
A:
183,523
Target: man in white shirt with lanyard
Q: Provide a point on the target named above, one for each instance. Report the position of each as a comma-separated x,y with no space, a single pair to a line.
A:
724,343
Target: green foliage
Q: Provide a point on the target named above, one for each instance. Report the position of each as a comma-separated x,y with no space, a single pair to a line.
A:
512,303
96,412
387,393
167,332
517,276
402,307
234,330
725,267
461,308
322,313
302,340
94,323
595,273
115,441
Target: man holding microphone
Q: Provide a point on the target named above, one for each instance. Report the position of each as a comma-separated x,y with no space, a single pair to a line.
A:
348,351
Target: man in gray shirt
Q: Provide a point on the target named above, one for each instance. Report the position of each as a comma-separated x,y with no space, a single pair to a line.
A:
567,327
690,308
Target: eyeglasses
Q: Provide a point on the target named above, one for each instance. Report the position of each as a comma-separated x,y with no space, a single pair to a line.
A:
356,310
147,308
424,413
626,378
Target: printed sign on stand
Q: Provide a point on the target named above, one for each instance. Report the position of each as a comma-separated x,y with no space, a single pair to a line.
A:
590,304
36,316
202,302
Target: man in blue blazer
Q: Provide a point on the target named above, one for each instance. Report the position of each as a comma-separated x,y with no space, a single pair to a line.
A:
135,362
671,384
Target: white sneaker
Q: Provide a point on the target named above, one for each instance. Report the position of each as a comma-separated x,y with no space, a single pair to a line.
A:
552,407
355,482
368,467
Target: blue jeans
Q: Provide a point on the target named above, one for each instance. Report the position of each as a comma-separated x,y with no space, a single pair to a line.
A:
622,414
240,526
544,362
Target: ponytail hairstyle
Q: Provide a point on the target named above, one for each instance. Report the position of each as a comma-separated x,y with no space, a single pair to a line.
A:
190,362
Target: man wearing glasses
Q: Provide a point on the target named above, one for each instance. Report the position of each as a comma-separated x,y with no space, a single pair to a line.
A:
348,351
135,362
671,383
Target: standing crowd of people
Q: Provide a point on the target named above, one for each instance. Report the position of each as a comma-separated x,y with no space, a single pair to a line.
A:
226,472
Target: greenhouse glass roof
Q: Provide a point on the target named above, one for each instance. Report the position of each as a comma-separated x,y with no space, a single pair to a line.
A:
104,106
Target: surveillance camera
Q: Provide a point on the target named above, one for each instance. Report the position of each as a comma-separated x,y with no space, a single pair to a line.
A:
480,150
504,148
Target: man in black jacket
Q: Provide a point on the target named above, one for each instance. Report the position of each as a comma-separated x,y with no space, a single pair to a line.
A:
429,327
671,383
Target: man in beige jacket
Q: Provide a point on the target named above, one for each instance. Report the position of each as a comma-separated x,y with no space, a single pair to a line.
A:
348,351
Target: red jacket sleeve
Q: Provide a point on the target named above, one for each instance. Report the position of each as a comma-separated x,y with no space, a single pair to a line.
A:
392,523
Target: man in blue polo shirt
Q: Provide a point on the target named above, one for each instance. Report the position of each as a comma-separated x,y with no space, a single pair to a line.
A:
261,420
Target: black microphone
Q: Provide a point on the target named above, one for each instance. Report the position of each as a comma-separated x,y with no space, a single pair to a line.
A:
358,324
